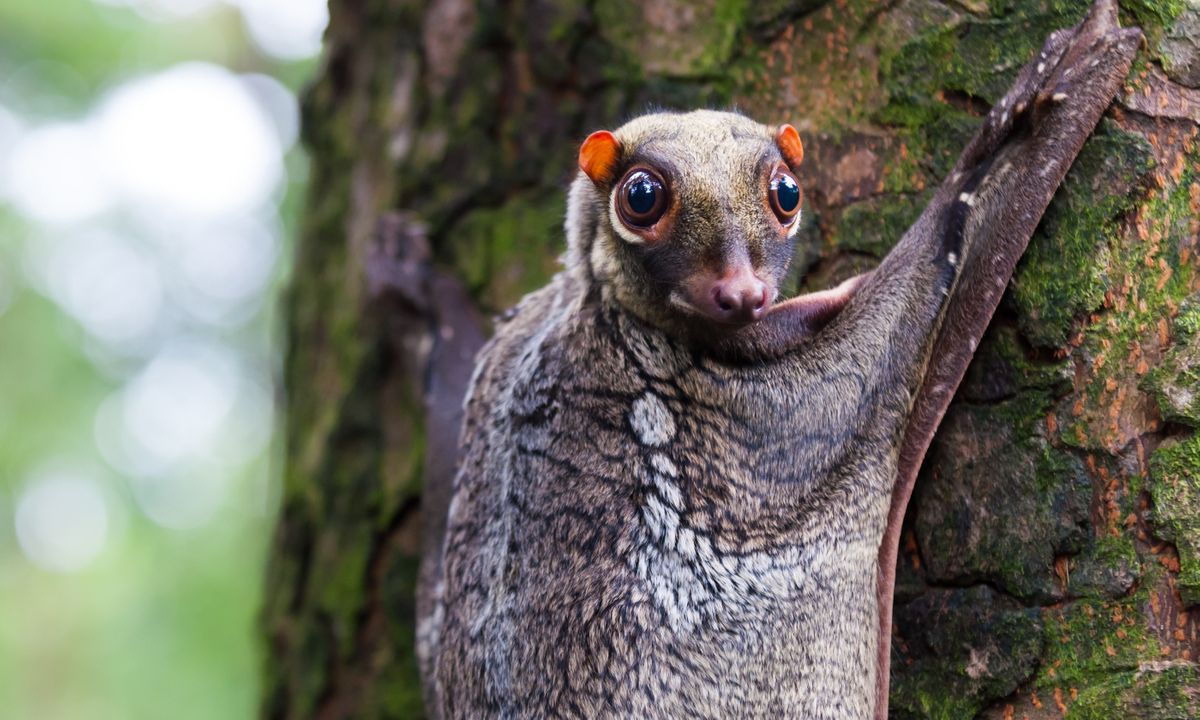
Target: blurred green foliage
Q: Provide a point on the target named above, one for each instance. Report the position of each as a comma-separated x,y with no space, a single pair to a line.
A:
163,623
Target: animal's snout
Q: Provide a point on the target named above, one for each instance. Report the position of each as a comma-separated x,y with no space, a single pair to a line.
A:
737,297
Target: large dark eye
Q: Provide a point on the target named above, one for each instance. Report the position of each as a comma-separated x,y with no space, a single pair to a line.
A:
785,196
641,198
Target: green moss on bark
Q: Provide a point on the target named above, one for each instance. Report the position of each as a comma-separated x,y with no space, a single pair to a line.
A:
1175,383
995,456
1175,489
1065,271
504,252
1155,692
673,38
962,650
874,226
1088,640
1149,277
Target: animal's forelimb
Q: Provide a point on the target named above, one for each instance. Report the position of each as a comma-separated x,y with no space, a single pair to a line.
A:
1025,147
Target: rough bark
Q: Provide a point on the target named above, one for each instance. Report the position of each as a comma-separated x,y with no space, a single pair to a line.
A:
1052,552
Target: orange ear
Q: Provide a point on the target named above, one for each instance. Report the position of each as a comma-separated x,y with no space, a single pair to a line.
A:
790,146
598,156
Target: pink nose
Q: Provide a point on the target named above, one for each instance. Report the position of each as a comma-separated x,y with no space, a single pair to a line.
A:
738,297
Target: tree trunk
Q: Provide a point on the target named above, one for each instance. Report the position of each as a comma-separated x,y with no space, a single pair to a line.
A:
1052,551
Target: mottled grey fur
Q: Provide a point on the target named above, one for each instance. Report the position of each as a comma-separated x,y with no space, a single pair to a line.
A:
659,518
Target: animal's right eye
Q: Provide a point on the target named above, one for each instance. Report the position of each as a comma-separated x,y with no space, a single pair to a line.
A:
642,198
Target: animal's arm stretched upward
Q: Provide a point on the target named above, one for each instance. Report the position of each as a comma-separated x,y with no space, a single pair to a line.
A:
928,303
1017,161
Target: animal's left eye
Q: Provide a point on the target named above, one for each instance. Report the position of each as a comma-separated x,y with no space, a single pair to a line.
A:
785,196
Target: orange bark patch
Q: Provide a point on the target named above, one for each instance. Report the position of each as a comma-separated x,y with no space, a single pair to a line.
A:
1058,700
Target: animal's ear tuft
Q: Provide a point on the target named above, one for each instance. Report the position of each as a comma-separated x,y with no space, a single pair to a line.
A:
598,157
788,141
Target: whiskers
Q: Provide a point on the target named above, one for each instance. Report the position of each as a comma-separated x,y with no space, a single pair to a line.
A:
678,301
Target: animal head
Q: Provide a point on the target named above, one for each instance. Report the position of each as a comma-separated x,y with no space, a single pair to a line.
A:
688,219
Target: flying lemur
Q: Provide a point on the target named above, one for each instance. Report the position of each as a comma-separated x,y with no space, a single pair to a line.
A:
680,498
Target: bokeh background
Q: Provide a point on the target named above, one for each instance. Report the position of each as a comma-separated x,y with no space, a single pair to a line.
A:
149,179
